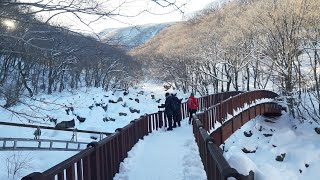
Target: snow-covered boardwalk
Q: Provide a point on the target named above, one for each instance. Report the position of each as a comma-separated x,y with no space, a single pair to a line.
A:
169,155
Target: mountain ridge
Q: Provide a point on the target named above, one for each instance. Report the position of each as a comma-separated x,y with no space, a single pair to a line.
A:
132,36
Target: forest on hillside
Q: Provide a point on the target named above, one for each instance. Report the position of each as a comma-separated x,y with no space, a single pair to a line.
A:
37,56
244,45
235,45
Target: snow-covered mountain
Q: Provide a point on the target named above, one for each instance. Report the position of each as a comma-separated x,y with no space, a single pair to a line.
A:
133,36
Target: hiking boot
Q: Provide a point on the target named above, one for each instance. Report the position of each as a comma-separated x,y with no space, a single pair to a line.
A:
174,126
169,129
189,122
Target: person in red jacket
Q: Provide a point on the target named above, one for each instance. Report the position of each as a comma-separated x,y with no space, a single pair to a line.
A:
192,104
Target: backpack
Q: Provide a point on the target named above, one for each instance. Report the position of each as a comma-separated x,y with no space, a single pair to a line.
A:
175,104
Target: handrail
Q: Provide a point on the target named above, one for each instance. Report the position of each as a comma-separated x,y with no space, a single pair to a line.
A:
215,165
220,111
53,128
223,132
49,147
109,152
208,101
101,160
106,154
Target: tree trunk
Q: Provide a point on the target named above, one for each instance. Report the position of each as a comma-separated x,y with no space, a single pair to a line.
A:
24,79
236,80
316,76
248,79
222,90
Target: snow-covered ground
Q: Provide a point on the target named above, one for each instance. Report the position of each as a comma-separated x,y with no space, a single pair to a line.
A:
164,155
54,106
170,155
299,144
84,104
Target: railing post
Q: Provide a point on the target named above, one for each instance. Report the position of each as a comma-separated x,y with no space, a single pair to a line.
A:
149,123
94,161
250,176
205,120
120,144
157,120
101,136
135,136
160,119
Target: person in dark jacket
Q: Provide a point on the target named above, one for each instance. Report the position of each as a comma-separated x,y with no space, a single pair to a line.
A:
192,104
37,133
176,111
168,111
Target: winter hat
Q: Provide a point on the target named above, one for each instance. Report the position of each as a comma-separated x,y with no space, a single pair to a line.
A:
167,94
192,94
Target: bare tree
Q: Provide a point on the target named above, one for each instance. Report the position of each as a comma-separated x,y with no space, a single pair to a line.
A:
17,162
37,56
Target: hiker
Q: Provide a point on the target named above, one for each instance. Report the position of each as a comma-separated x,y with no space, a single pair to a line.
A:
192,104
176,110
168,111
37,133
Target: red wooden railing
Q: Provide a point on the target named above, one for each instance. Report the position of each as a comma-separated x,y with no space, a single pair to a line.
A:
229,127
101,159
215,165
250,105
156,120
208,101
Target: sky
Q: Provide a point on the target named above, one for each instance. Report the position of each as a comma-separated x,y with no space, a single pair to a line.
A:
155,14
170,155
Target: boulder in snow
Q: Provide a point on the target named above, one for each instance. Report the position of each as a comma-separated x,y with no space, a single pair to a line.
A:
134,110
66,124
281,157
81,119
106,119
112,101
105,108
120,99
122,114
247,134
